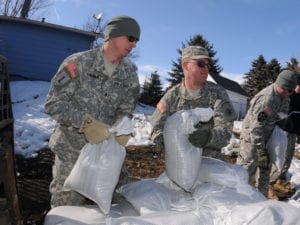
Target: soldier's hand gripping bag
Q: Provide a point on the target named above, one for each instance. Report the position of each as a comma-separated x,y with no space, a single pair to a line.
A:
96,172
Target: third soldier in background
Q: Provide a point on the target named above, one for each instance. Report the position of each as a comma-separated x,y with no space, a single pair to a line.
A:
259,124
196,92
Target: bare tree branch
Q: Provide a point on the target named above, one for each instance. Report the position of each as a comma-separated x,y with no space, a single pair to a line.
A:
14,7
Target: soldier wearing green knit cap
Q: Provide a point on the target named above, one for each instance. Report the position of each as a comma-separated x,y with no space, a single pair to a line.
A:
266,108
90,91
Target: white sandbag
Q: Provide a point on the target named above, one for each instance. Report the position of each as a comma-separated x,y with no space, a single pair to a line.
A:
148,196
223,173
96,172
266,212
87,214
182,159
75,215
159,218
220,200
221,197
277,146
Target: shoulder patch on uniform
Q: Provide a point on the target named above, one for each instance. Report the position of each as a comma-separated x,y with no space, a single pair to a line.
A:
72,70
263,115
161,107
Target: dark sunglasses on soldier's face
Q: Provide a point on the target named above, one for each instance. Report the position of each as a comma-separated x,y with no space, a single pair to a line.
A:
132,39
287,90
202,64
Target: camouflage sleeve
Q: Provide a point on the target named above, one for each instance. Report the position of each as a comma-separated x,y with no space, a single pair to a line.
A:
258,123
59,104
158,118
223,121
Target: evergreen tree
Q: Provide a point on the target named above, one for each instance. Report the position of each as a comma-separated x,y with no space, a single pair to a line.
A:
260,76
176,75
274,69
293,65
152,90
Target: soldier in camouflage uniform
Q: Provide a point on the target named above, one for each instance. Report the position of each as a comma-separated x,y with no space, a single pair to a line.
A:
90,92
292,136
259,124
196,92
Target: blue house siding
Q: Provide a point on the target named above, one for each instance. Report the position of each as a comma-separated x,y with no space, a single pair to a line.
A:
35,50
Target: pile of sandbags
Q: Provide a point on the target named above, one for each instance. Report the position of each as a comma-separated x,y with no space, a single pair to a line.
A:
194,191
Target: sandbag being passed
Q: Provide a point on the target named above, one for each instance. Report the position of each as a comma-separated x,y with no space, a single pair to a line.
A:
96,172
182,159
277,146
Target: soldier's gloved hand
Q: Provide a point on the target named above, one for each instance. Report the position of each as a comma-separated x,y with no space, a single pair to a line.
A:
123,139
95,131
263,158
200,137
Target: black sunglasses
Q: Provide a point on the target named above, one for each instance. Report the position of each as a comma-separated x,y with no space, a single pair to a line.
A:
202,64
132,39
288,90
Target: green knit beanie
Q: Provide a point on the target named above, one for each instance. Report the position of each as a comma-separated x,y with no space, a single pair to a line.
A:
122,26
287,80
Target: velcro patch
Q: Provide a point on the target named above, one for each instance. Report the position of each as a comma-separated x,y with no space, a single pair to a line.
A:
72,70
161,107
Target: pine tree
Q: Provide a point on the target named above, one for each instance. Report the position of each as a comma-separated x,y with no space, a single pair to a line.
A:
293,65
152,90
260,76
177,74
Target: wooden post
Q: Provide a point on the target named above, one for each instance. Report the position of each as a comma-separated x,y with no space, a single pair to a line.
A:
7,162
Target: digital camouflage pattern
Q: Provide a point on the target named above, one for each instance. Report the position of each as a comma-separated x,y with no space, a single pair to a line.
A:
81,86
257,128
210,95
290,150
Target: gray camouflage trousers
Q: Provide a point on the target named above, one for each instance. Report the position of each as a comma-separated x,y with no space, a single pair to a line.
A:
248,159
289,155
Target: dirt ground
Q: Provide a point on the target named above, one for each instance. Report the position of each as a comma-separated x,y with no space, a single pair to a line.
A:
35,174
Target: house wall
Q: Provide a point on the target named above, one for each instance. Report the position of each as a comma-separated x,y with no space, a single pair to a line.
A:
239,103
35,52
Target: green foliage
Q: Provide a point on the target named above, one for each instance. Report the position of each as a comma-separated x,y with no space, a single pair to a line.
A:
152,90
176,74
293,65
260,76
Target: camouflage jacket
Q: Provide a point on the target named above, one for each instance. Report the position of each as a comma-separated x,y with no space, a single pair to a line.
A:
262,116
211,95
81,86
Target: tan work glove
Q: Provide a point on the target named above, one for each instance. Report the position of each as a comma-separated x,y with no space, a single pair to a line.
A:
123,139
95,131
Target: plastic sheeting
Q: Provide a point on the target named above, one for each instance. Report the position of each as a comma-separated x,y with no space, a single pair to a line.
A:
98,167
182,158
208,204
219,195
